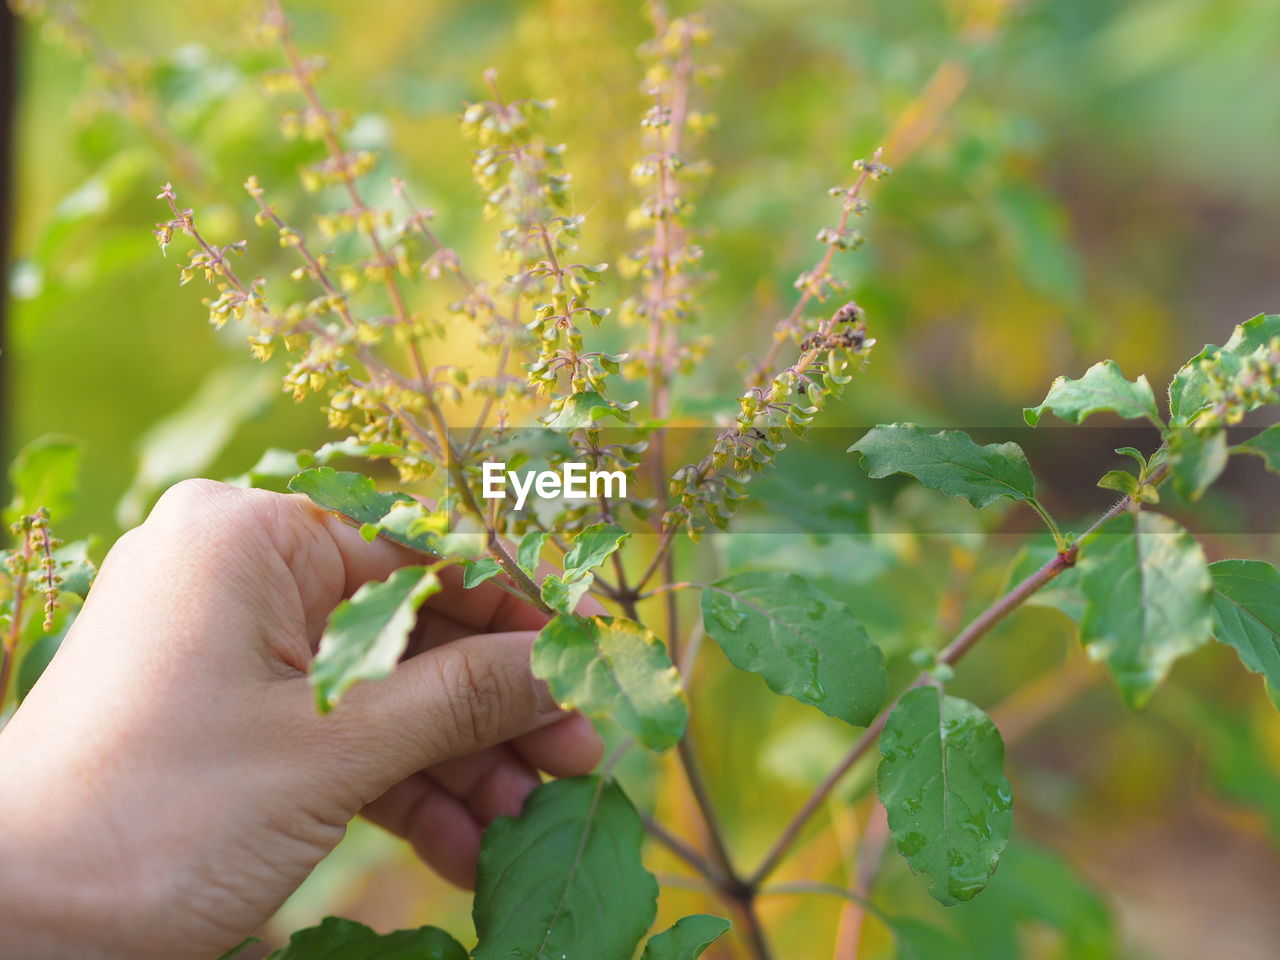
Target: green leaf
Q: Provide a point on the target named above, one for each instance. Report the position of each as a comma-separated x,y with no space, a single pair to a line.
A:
396,516
1197,457
613,667
355,449
1191,391
350,494
942,783
565,878
39,655
1147,595
75,568
45,474
367,634
1246,613
186,441
948,461
1062,593
1122,481
336,939
1265,445
529,552
582,410
592,547
805,644
687,940
563,594
1103,387
478,571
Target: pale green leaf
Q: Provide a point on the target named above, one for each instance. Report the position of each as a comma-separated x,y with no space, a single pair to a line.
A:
948,461
612,667
1246,613
564,594
367,634
582,410
804,643
565,878
687,940
592,547
529,551
336,939
1102,388
39,654
1147,595
1121,481
942,783
1191,392
45,474
186,441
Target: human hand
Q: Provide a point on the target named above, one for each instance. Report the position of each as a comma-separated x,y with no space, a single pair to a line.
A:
168,783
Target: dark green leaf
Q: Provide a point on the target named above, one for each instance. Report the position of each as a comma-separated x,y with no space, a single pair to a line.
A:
396,516
687,940
45,474
942,783
805,644
1102,388
1197,457
613,667
565,879
948,461
350,494
1191,392
478,571
1265,445
367,634
1147,596
1246,613
336,939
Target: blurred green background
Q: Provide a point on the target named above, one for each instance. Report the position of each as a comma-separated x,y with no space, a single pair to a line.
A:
1104,184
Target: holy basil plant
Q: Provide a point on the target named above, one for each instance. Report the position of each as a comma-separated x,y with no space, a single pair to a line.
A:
372,333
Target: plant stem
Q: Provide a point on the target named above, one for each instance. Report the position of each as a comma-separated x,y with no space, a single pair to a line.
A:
962,644
754,930
9,646
702,797
1058,541
692,857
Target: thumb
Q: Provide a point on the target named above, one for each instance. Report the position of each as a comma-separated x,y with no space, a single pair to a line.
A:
448,701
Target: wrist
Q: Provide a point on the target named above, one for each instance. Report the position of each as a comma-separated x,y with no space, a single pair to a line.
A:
64,889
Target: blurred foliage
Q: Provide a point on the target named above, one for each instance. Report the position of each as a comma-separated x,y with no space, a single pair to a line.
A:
1103,185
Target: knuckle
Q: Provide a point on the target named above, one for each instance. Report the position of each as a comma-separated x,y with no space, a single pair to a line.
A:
475,698
191,496
217,509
